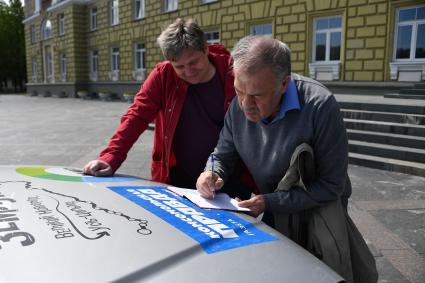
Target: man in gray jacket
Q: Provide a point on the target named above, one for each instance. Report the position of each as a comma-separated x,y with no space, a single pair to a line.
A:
274,113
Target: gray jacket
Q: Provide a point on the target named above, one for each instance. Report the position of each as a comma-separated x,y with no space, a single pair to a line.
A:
331,234
266,149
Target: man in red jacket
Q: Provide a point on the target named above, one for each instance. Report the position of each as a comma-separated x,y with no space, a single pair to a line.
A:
187,96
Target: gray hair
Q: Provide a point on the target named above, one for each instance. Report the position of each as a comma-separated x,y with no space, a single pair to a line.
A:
253,53
181,35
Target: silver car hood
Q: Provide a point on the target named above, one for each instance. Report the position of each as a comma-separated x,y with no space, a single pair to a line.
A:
57,225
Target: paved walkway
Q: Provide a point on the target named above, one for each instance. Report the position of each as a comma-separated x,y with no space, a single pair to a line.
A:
388,208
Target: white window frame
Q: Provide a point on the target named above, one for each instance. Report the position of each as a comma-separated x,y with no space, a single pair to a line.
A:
115,59
94,64
46,29
32,34
62,66
414,23
327,69
61,23
139,72
139,48
170,5
115,64
214,40
114,18
208,1
93,18
34,68
407,69
328,33
139,13
37,6
49,66
253,25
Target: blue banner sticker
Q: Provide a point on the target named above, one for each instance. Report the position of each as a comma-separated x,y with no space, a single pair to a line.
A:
214,230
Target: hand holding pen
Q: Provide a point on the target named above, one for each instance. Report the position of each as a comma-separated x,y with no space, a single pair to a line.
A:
213,176
209,182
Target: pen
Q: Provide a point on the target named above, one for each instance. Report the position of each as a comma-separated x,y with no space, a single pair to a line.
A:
75,170
212,172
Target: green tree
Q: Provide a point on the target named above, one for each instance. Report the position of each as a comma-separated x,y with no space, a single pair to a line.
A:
3,25
12,45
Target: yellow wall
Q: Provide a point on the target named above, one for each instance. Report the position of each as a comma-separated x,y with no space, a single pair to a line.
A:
367,32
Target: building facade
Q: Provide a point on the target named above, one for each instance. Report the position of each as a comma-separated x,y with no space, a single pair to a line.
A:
110,45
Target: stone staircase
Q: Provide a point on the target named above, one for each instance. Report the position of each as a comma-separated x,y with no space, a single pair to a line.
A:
386,136
415,92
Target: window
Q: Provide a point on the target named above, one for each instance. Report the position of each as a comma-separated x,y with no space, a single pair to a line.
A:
139,62
94,61
326,48
212,37
115,59
114,13
62,66
46,29
261,29
410,34
93,64
170,5
49,66
327,39
32,33
93,18
37,6
409,45
61,21
140,56
139,9
208,1
34,69
115,64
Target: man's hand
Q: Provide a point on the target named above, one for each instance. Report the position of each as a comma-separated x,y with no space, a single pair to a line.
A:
98,168
208,183
256,204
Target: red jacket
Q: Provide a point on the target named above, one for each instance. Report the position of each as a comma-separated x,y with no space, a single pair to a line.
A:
161,98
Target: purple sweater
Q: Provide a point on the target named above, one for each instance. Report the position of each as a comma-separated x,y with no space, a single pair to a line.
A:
197,131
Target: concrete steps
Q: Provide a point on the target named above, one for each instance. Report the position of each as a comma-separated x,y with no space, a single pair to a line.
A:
412,168
416,92
412,91
388,151
380,107
418,89
385,127
384,116
386,136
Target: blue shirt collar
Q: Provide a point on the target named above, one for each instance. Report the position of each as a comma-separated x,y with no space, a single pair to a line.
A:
290,101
